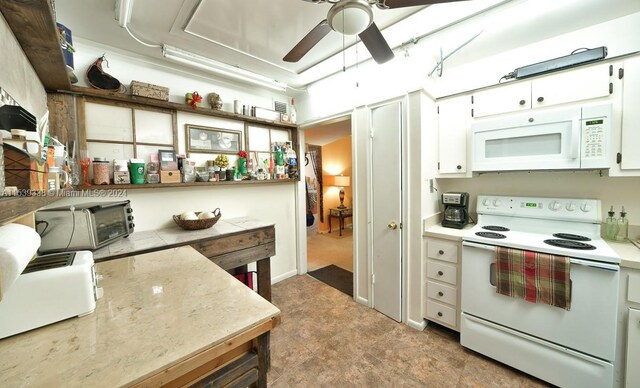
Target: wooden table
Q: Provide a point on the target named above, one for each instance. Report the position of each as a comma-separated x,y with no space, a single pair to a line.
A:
167,318
340,214
231,244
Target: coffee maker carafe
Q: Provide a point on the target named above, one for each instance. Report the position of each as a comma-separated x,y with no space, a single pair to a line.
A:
456,210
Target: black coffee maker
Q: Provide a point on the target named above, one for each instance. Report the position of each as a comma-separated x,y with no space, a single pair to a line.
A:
456,210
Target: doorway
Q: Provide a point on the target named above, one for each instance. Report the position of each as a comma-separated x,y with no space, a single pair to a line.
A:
328,196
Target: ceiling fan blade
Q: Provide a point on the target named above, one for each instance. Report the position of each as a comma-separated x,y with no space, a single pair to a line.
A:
307,43
414,3
376,44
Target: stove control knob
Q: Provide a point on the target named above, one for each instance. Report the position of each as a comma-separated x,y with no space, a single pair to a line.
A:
496,202
555,206
571,206
486,202
585,207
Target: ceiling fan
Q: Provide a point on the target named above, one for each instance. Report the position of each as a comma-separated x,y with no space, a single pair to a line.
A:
354,17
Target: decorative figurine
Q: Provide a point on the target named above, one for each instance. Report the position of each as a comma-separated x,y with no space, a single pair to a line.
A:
215,101
193,99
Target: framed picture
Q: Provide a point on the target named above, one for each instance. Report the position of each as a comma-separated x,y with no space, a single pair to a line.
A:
213,140
167,160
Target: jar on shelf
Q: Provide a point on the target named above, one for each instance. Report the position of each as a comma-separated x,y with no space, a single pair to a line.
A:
100,171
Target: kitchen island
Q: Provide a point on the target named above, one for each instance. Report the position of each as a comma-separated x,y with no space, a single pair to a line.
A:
168,317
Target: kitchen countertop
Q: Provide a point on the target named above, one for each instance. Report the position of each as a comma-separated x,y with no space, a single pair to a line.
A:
153,240
439,231
158,309
629,254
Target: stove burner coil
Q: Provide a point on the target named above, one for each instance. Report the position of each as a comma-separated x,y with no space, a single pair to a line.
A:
490,235
496,228
569,244
569,236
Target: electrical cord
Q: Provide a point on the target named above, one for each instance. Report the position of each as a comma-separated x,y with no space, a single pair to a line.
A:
73,226
45,227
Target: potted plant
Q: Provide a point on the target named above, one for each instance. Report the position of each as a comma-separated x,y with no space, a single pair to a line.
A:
242,162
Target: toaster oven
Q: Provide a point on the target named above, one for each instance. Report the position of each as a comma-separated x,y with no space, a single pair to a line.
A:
83,226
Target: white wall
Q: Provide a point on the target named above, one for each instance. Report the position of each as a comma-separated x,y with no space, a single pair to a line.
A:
17,76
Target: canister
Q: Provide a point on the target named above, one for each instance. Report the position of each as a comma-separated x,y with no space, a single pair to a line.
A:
100,171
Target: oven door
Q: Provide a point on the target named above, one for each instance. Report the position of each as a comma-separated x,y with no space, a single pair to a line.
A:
589,327
110,222
532,141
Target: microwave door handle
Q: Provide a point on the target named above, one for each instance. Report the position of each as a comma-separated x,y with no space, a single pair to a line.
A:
575,138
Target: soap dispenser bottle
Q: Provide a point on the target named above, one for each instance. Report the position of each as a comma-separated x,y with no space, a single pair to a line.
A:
611,226
623,226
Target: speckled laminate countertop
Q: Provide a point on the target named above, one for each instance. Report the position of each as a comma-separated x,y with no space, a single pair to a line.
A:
153,240
158,309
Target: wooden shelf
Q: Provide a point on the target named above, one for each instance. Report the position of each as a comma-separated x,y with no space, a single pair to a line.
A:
192,184
12,208
121,97
34,27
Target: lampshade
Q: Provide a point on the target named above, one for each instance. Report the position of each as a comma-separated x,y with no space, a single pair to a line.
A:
338,180
350,17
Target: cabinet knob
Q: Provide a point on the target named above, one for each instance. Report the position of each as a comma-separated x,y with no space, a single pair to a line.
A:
441,252
522,102
440,273
439,314
440,293
459,167
540,99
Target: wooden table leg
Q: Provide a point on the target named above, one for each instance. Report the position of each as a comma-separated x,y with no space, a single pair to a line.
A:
264,278
264,359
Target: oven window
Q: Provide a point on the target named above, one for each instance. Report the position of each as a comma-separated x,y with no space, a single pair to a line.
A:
110,223
547,144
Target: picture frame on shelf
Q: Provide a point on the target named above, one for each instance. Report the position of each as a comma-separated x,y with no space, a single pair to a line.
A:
202,139
167,160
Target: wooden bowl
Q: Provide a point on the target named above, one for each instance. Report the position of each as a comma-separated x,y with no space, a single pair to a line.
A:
198,224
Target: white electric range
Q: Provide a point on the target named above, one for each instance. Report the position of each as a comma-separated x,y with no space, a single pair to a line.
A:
573,347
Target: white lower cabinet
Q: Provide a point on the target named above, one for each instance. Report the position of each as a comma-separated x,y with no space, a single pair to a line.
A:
442,283
633,349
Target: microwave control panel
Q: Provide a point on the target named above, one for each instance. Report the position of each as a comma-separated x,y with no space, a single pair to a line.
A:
594,140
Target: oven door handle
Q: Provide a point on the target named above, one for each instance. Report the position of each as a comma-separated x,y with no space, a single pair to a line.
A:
588,263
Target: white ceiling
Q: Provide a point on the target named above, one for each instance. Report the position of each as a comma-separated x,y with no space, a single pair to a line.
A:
251,34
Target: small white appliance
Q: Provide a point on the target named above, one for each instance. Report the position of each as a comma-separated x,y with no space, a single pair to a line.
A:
568,348
51,288
568,138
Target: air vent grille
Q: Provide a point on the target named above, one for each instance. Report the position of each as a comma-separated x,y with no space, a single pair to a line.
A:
280,107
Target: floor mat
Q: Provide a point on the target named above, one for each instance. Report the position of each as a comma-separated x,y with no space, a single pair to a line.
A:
336,277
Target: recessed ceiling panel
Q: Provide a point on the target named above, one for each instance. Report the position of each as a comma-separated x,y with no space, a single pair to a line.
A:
267,29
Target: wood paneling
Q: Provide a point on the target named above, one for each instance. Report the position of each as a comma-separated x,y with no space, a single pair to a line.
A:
212,248
62,117
35,29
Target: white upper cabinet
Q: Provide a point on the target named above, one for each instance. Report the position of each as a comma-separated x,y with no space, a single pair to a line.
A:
454,116
630,139
581,84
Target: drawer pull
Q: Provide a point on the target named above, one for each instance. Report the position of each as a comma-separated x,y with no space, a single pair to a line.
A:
439,314
440,273
441,252
440,293
522,102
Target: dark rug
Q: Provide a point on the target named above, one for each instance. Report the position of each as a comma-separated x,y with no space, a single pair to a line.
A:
336,277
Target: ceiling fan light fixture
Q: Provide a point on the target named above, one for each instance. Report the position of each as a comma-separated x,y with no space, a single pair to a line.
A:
350,17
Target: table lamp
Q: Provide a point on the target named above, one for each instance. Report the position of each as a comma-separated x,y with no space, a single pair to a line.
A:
340,181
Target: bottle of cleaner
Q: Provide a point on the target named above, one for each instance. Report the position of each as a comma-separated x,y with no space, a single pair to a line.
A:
611,226
623,226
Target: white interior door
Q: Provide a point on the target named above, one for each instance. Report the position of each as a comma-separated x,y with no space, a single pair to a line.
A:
386,123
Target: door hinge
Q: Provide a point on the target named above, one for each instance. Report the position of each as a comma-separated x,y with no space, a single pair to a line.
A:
438,166
620,73
619,158
472,99
471,112
371,133
438,110
373,278
610,70
610,87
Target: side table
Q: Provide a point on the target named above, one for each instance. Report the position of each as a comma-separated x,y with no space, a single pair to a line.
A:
340,214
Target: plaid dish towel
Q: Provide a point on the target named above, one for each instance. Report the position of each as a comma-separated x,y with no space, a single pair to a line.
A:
534,277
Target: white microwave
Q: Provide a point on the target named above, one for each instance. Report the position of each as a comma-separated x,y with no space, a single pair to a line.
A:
569,138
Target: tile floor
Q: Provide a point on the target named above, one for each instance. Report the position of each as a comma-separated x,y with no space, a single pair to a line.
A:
327,340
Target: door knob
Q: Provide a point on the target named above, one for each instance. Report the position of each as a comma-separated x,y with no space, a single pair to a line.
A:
392,225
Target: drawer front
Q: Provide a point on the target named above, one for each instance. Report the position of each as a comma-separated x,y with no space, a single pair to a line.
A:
442,272
633,293
443,250
441,313
442,293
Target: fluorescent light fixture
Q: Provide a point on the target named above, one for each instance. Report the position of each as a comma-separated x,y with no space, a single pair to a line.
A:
123,12
219,68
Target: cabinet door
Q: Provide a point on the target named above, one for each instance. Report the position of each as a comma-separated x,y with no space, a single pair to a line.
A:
569,86
630,142
453,128
633,350
502,99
